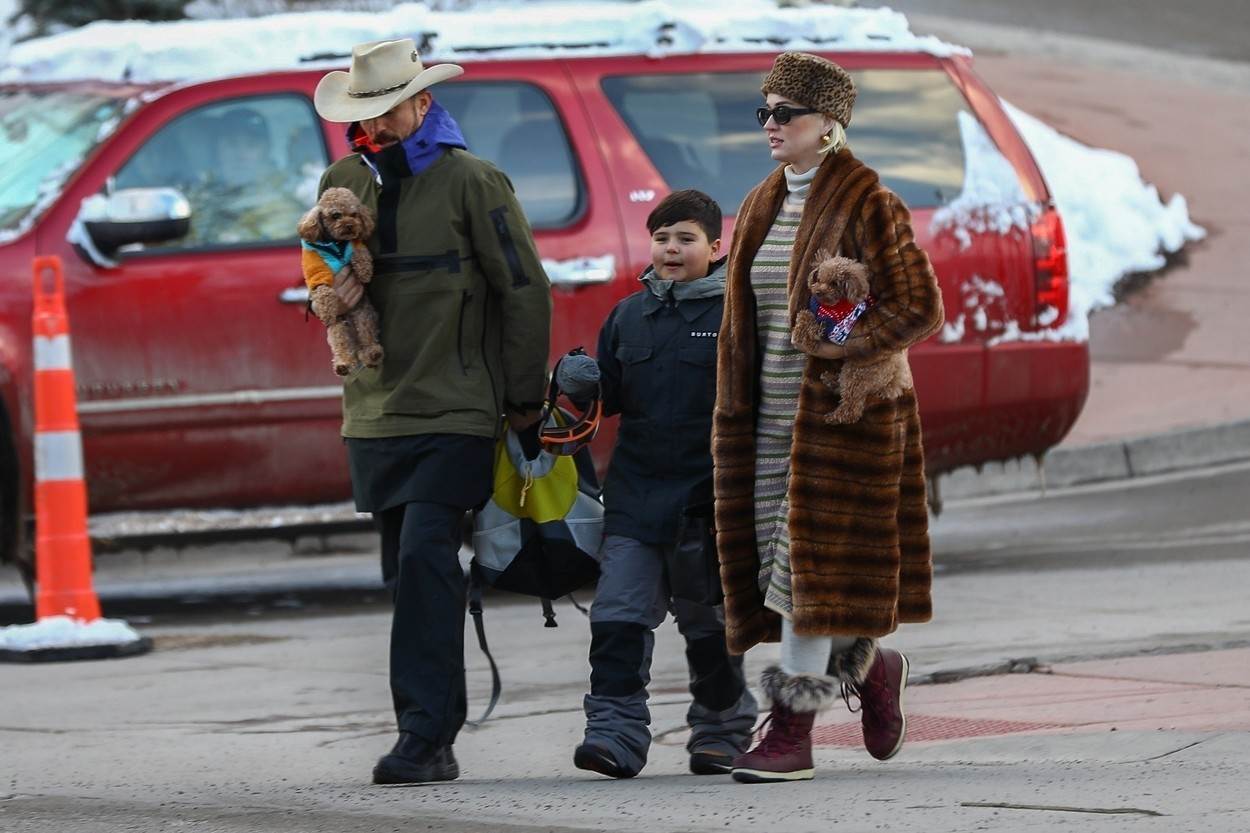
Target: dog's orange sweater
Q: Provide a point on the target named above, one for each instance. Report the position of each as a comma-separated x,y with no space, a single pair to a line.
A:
316,270
321,261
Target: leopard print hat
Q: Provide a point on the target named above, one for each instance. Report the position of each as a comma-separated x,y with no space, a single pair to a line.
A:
814,82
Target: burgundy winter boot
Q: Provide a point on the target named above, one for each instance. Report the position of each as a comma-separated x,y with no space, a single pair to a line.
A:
785,753
878,678
881,696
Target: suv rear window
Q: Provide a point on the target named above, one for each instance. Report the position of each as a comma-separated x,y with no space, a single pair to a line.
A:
700,131
515,126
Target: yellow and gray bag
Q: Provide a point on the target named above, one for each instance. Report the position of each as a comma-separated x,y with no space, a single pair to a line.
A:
538,535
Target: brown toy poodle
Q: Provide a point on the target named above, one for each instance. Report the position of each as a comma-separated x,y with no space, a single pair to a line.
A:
333,235
840,280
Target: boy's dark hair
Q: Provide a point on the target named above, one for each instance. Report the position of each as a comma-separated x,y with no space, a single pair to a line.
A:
691,205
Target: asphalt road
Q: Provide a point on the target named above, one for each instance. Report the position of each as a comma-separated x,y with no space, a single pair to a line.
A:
1189,516
1193,516
1202,28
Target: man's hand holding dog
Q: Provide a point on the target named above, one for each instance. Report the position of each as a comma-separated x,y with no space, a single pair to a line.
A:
349,290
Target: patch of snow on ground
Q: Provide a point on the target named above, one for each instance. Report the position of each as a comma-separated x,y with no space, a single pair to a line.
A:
992,199
64,632
1115,222
142,51
124,524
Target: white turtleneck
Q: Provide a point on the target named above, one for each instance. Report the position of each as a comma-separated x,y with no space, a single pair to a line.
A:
799,184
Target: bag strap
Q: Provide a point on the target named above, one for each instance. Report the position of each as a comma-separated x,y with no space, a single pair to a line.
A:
479,625
496,685
578,605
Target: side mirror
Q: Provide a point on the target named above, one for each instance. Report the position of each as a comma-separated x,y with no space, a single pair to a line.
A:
128,216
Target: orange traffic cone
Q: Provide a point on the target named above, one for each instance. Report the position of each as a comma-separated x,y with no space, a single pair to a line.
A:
68,612
62,548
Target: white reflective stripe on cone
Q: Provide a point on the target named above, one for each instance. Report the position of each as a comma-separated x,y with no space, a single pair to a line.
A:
58,456
52,353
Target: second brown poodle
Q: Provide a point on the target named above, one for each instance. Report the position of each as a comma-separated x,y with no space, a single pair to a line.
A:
841,281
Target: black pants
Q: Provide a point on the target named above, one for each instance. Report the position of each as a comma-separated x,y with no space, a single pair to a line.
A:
421,566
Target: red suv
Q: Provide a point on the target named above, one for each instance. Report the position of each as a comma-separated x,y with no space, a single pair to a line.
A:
202,381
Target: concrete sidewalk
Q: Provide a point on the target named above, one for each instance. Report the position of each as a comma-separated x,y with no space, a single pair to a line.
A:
1196,692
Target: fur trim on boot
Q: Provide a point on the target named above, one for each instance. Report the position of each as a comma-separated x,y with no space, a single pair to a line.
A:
798,692
851,666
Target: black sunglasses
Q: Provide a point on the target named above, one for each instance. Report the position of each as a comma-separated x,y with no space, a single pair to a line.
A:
781,114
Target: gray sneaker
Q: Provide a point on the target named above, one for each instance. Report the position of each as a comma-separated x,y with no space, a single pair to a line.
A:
594,758
707,762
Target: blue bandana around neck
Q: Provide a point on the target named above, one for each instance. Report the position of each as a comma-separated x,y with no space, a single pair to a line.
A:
422,149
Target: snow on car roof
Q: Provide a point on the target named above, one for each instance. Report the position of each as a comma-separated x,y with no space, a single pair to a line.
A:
141,51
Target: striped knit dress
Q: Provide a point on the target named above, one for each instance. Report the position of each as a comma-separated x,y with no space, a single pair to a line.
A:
781,376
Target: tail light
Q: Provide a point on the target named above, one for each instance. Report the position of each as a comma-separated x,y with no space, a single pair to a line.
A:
1050,269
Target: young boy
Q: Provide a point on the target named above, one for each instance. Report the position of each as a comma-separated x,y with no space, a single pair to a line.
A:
657,358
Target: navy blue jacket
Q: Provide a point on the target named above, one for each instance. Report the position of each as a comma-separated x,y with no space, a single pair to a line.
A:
658,364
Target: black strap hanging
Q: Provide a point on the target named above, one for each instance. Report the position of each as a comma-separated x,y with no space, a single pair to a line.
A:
496,685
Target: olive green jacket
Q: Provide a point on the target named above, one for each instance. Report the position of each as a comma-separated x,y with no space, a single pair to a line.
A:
463,302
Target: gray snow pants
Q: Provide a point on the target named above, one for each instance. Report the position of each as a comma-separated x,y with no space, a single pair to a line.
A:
631,601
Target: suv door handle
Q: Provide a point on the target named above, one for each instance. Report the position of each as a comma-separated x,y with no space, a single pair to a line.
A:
581,271
294,295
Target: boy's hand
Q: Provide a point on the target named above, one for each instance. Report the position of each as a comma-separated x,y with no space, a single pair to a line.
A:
349,290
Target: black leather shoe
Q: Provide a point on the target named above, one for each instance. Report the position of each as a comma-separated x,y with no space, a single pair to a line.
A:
413,760
451,767
597,759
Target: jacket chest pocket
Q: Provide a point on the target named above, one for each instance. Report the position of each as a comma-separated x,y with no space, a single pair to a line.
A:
639,386
695,379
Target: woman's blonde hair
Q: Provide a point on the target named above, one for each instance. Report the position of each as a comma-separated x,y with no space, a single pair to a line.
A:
834,140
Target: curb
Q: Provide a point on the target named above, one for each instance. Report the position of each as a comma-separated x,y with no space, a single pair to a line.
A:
1135,457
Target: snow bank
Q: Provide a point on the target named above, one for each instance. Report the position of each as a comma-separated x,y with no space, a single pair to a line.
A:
141,51
1115,222
992,199
127,524
64,632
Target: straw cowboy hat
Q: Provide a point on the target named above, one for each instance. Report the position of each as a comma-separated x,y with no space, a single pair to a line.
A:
383,73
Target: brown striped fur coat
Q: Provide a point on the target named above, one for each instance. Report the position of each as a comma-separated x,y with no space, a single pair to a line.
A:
859,538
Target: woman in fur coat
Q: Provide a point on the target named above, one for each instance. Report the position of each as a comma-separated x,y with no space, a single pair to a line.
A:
822,526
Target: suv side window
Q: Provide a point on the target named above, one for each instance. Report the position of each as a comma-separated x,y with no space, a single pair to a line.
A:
516,126
699,131
248,166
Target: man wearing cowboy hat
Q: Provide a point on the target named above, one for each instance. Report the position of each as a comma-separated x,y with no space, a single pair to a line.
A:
465,313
